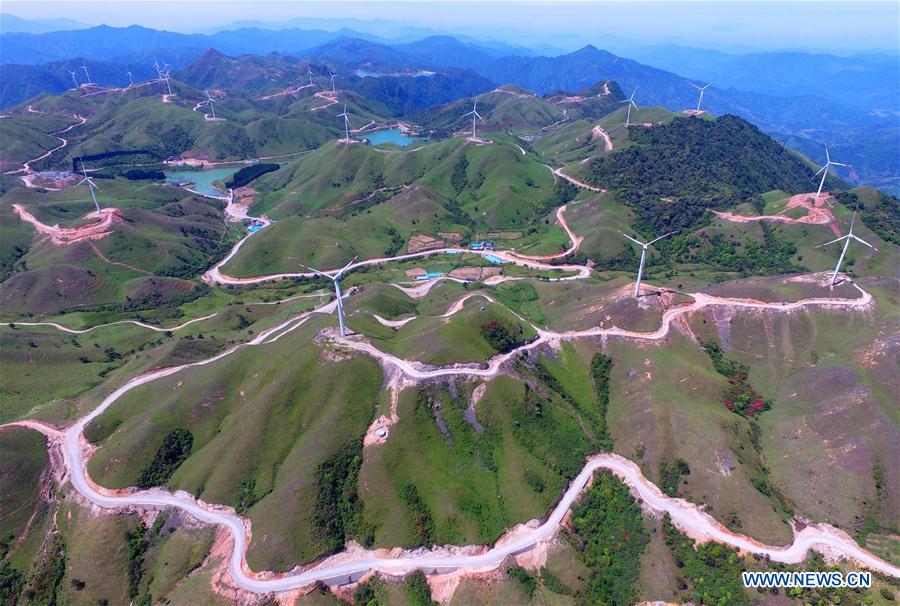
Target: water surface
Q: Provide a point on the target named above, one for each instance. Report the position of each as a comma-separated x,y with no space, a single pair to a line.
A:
389,135
202,180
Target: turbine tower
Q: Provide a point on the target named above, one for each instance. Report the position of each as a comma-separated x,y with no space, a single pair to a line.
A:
336,278
850,236
824,171
701,89
346,118
631,103
637,286
209,103
309,74
91,185
474,113
86,74
74,79
130,80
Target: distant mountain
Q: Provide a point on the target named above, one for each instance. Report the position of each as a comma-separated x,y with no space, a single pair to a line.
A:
408,94
11,23
21,82
402,93
870,81
101,43
807,100
814,119
366,54
245,72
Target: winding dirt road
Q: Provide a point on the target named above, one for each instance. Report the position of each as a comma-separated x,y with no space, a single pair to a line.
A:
686,516
26,166
348,566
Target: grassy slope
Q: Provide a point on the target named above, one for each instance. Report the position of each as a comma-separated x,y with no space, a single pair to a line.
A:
826,371
300,405
23,458
165,233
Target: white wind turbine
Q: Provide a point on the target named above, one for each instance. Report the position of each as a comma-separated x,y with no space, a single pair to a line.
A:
74,79
309,74
91,185
474,113
333,76
824,171
165,76
130,80
701,89
209,103
158,72
346,118
86,74
846,238
336,278
637,286
631,103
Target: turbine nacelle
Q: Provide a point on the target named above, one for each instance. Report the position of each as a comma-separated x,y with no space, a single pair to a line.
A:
644,246
846,239
335,277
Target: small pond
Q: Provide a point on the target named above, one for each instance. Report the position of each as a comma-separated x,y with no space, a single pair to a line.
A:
202,180
388,135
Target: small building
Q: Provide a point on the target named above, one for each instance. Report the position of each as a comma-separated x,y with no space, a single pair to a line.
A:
483,245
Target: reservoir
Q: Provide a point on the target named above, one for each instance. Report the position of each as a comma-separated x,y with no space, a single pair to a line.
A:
389,135
202,179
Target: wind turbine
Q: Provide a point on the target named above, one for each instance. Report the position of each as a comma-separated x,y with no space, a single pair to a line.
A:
91,185
333,76
346,118
74,79
474,113
86,74
158,73
309,74
850,236
209,103
637,286
336,278
631,103
701,89
165,75
824,171
130,80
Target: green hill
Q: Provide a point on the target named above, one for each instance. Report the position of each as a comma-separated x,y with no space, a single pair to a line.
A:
670,174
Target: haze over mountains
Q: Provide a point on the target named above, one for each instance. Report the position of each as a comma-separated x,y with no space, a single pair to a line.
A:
805,100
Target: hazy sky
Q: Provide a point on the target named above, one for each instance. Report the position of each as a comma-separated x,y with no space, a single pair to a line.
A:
807,24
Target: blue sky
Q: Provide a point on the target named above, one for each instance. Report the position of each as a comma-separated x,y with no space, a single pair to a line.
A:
819,25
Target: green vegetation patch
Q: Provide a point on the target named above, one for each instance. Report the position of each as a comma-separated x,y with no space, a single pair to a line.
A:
673,173
607,531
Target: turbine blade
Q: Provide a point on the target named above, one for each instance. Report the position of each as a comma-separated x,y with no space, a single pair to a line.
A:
820,171
344,268
839,164
479,116
833,241
661,237
316,271
630,238
858,239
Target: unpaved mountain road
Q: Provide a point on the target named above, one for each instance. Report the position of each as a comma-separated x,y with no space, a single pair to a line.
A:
686,516
26,166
